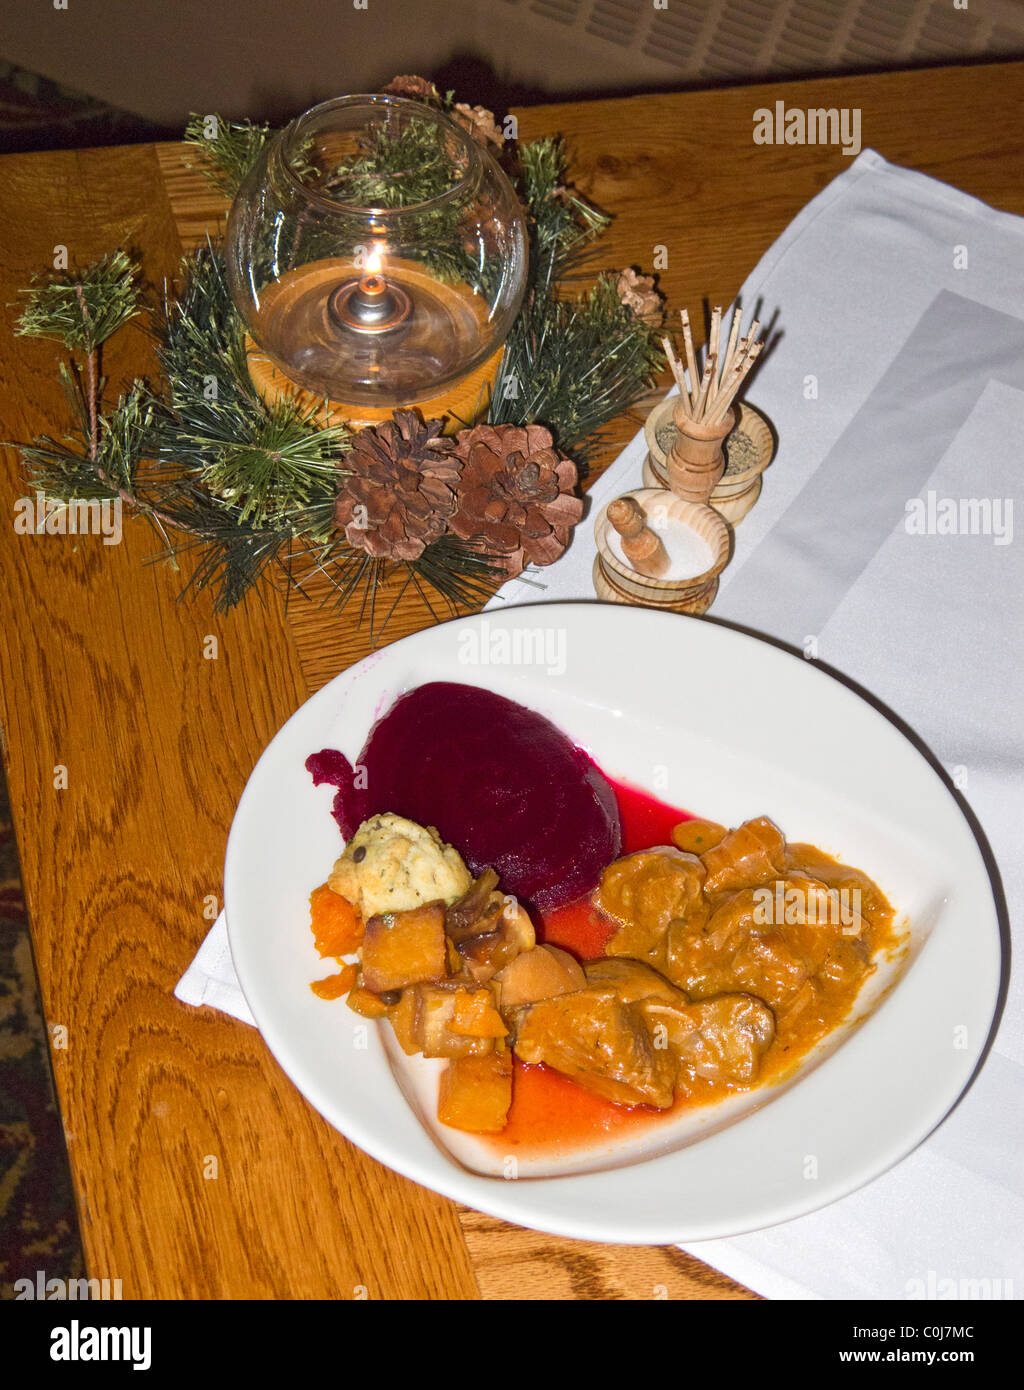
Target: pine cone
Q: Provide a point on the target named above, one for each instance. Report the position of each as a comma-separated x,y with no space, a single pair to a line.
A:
516,498
400,493
637,292
415,88
478,122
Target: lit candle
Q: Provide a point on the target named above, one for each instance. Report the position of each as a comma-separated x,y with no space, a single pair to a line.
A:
372,304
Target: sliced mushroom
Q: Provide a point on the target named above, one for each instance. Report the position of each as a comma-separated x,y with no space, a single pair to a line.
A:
500,932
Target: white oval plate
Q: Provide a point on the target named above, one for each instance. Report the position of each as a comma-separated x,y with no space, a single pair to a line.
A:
729,727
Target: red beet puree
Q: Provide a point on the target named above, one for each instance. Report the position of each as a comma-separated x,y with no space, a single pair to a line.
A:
499,781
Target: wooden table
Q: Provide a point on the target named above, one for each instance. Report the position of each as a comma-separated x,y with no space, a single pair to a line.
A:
103,673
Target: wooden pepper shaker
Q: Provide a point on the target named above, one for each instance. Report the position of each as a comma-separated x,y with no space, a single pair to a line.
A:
641,547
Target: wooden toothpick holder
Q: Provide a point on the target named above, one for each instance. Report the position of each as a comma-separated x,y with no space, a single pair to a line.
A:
696,461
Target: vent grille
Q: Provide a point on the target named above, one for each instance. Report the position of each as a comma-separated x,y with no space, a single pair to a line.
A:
561,11
618,43
616,20
944,34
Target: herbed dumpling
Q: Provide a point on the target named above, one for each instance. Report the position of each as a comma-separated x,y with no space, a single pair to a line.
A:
392,864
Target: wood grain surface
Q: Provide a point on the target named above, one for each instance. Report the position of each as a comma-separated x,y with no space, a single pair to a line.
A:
104,674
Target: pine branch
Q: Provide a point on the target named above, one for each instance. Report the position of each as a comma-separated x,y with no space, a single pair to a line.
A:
227,149
249,489
575,366
122,440
459,572
82,309
562,221
271,462
402,165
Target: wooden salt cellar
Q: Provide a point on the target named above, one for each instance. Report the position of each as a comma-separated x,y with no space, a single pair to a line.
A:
641,547
618,582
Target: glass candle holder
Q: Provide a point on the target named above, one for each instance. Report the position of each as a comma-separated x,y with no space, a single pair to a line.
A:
377,254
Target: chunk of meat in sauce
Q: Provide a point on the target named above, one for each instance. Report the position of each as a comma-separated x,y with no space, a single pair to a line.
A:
875,910
719,1040
646,891
601,1043
754,853
632,980
741,948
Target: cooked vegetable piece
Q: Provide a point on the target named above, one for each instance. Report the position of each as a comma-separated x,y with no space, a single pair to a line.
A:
698,836
404,948
334,986
461,916
367,1004
404,1018
476,1093
538,974
475,1015
496,938
432,1026
601,1043
336,925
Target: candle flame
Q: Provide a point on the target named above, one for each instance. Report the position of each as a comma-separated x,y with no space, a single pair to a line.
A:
373,262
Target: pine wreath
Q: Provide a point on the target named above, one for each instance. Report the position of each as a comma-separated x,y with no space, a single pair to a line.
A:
249,491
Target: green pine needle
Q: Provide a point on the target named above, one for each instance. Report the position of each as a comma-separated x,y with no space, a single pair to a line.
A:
562,221
574,366
268,463
123,436
82,309
404,165
228,149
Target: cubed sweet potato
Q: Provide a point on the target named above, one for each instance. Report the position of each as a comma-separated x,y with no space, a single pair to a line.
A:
366,1004
336,924
433,1026
476,1092
404,948
475,1015
334,986
698,836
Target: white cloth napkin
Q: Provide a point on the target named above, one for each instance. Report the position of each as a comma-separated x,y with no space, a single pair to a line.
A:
898,374
211,978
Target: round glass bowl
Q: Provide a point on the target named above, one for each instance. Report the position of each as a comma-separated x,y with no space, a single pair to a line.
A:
377,253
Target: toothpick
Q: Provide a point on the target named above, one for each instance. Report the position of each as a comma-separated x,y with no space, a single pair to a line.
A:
739,356
731,349
726,399
710,365
679,374
716,329
691,360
